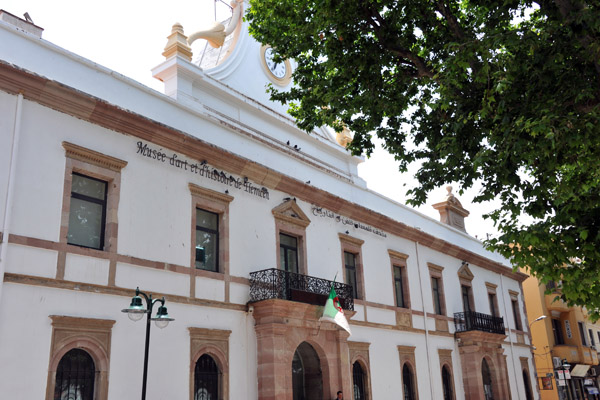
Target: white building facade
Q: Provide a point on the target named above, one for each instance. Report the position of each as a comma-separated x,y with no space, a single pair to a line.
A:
211,197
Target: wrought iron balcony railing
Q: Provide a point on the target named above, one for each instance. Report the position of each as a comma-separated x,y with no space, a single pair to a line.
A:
474,321
275,283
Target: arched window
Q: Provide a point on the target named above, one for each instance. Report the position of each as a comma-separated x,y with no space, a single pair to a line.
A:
307,379
487,380
358,382
408,384
528,394
75,376
206,379
447,383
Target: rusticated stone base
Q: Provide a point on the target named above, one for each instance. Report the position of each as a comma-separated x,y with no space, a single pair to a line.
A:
281,326
474,346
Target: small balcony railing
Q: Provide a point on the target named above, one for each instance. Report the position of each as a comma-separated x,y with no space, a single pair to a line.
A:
275,283
474,321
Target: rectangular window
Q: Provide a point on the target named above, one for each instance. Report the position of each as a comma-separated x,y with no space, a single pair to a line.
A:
401,300
207,240
87,214
350,269
592,341
582,334
516,315
558,334
437,288
493,304
288,253
437,296
466,298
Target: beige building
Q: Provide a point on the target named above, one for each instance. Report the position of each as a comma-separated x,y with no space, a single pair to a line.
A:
566,344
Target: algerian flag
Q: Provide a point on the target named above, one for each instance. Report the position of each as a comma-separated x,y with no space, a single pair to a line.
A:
333,311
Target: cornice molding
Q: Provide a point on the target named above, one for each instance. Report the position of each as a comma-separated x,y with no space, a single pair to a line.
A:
209,194
350,239
93,157
397,255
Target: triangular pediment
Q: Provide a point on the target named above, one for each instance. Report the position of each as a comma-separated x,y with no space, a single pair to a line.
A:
465,273
290,212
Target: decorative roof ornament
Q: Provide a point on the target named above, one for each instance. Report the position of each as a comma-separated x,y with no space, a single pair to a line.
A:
451,211
344,137
177,44
216,33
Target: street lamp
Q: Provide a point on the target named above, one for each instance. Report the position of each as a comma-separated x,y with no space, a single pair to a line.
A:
541,317
136,311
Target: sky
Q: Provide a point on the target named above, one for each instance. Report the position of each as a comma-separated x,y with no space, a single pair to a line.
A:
128,36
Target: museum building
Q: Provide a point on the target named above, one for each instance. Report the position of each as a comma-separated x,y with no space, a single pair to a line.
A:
212,200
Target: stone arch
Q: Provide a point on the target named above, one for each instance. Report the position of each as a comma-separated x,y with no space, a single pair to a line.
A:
313,370
222,364
215,343
217,355
409,367
87,343
90,335
494,377
527,385
364,365
448,368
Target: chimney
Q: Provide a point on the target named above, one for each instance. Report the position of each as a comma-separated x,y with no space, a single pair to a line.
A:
451,211
24,25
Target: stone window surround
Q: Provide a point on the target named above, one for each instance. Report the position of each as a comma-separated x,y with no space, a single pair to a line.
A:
215,343
491,289
359,352
292,226
100,166
436,271
514,296
406,354
525,368
398,259
465,277
353,245
218,203
89,334
445,357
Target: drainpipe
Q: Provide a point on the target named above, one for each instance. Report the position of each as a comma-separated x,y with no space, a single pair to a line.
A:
512,353
10,187
425,320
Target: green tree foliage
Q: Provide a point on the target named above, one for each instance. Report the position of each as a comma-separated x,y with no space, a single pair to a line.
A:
502,92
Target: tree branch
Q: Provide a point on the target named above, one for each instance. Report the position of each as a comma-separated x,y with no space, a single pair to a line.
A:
417,62
451,19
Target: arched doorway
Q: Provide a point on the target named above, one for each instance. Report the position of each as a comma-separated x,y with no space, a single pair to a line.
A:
447,383
408,384
487,380
528,394
75,376
358,382
307,379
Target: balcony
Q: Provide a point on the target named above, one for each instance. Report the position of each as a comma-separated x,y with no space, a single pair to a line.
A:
275,283
474,321
567,352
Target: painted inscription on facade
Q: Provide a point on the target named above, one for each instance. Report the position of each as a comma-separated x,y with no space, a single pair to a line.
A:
322,212
202,169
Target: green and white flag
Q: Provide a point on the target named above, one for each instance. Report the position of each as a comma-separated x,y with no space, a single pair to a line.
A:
333,311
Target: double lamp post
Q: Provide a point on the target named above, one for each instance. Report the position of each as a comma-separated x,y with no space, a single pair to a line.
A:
136,311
